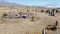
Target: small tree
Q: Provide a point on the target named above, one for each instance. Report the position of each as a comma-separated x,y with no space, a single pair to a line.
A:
52,14
56,23
4,15
28,10
41,10
56,10
53,10
47,11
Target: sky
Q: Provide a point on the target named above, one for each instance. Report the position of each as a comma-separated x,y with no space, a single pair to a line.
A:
45,3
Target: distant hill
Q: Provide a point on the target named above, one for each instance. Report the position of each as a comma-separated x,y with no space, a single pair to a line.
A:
4,3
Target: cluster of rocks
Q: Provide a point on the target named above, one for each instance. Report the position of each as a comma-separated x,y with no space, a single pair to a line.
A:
11,15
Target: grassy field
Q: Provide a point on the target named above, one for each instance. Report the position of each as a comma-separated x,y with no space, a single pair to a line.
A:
26,26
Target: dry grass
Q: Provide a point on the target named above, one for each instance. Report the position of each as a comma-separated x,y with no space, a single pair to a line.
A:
26,26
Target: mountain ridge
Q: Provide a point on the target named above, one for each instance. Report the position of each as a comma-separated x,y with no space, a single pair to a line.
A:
4,3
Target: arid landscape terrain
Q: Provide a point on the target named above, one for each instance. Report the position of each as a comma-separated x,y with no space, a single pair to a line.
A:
21,19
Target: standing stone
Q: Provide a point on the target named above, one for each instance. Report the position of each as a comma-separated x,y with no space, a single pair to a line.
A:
43,31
